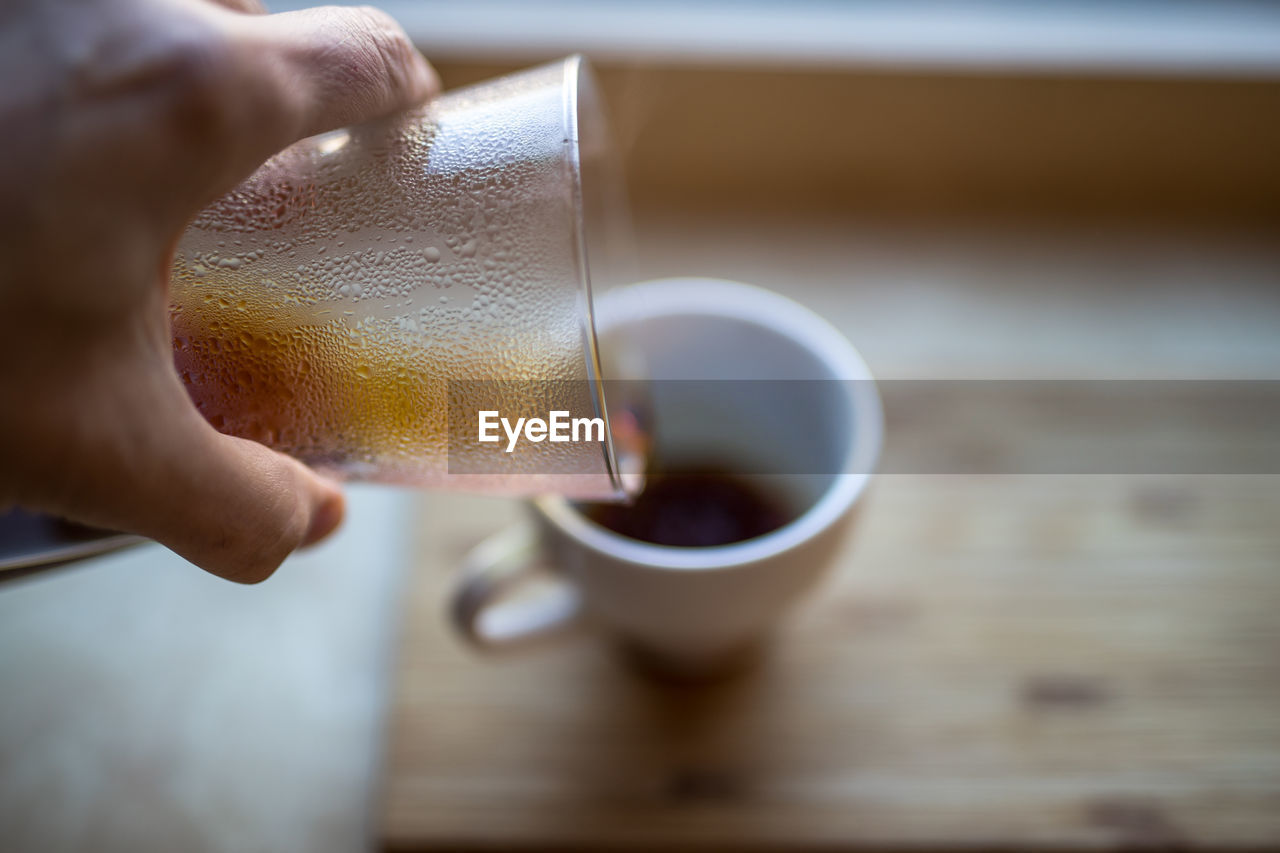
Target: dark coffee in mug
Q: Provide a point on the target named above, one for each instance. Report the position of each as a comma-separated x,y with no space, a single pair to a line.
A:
694,507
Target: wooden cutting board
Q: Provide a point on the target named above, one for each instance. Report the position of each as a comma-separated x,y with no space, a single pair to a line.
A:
1083,661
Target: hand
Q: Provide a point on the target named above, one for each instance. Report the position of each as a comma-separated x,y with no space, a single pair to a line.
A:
122,118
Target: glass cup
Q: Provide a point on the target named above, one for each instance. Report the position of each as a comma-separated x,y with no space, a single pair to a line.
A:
333,304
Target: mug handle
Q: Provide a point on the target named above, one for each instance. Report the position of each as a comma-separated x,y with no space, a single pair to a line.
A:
489,572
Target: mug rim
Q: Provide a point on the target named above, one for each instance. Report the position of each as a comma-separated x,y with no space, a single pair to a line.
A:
697,296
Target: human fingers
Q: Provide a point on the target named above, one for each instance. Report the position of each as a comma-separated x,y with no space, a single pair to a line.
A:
334,66
251,7
231,506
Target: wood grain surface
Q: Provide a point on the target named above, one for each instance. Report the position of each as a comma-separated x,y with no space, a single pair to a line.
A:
910,143
996,661
1056,661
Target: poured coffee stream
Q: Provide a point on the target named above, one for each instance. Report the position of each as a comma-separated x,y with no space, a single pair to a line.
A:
694,508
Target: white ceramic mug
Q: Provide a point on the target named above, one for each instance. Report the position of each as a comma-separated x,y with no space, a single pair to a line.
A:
691,610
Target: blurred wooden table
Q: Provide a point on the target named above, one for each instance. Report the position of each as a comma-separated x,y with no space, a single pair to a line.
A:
1079,661
1059,661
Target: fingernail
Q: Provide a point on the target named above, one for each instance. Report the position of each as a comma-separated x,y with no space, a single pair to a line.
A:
326,517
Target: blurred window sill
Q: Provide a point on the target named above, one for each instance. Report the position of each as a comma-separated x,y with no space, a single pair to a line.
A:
1140,36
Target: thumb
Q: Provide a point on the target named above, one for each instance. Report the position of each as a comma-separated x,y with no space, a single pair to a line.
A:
234,507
